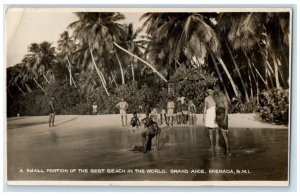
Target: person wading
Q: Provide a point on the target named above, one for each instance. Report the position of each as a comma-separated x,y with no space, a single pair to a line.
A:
222,115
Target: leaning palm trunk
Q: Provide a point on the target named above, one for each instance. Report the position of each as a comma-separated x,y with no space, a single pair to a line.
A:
234,86
20,89
98,72
121,69
282,76
238,71
256,82
46,79
250,83
9,93
276,73
70,72
219,74
40,86
260,76
153,69
28,88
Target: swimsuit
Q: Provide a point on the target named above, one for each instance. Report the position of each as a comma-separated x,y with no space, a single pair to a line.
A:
220,115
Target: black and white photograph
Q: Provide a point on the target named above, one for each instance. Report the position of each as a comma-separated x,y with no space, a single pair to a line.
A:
148,96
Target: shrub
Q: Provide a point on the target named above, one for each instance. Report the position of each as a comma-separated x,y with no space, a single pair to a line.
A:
192,84
243,107
274,106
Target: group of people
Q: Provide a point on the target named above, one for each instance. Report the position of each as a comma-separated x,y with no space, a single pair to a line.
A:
215,118
181,112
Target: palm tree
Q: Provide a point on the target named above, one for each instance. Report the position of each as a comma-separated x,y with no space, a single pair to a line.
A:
15,77
188,32
66,48
95,32
260,36
100,33
135,45
40,59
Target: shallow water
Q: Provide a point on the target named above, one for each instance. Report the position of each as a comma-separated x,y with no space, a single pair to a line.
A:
262,152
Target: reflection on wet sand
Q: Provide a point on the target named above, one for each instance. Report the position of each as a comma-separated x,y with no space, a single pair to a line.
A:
263,152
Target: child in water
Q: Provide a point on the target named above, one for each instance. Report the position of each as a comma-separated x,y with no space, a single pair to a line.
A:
147,136
135,122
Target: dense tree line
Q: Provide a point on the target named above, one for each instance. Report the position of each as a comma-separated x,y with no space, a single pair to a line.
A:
100,59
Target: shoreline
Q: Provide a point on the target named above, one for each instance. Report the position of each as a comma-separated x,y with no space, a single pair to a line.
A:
236,120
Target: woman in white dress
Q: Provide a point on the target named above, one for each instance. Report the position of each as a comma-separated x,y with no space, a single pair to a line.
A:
209,119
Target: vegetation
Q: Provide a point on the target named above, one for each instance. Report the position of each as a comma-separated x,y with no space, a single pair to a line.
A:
100,59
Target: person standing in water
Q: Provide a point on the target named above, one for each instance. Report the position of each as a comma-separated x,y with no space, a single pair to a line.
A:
123,106
52,111
222,115
209,119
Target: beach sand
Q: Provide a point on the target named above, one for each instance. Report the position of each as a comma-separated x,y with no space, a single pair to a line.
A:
99,142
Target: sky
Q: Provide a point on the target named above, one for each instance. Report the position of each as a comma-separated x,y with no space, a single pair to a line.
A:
31,25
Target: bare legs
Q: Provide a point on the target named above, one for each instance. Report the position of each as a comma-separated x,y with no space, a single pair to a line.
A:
212,133
172,118
226,140
51,119
122,118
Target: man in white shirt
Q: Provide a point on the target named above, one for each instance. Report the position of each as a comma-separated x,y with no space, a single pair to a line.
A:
122,106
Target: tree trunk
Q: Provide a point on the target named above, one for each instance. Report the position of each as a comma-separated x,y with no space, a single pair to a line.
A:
114,80
40,86
121,69
238,70
153,69
70,71
234,86
28,89
256,82
20,89
46,79
132,71
219,74
282,76
98,72
276,72
260,76
250,82
9,93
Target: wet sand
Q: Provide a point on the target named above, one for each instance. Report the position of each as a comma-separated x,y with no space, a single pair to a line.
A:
78,142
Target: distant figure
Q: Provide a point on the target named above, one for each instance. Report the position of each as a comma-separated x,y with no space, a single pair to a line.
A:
154,115
192,113
147,136
146,120
135,122
209,119
222,115
18,115
185,112
163,116
94,108
51,105
170,112
179,112
123,106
